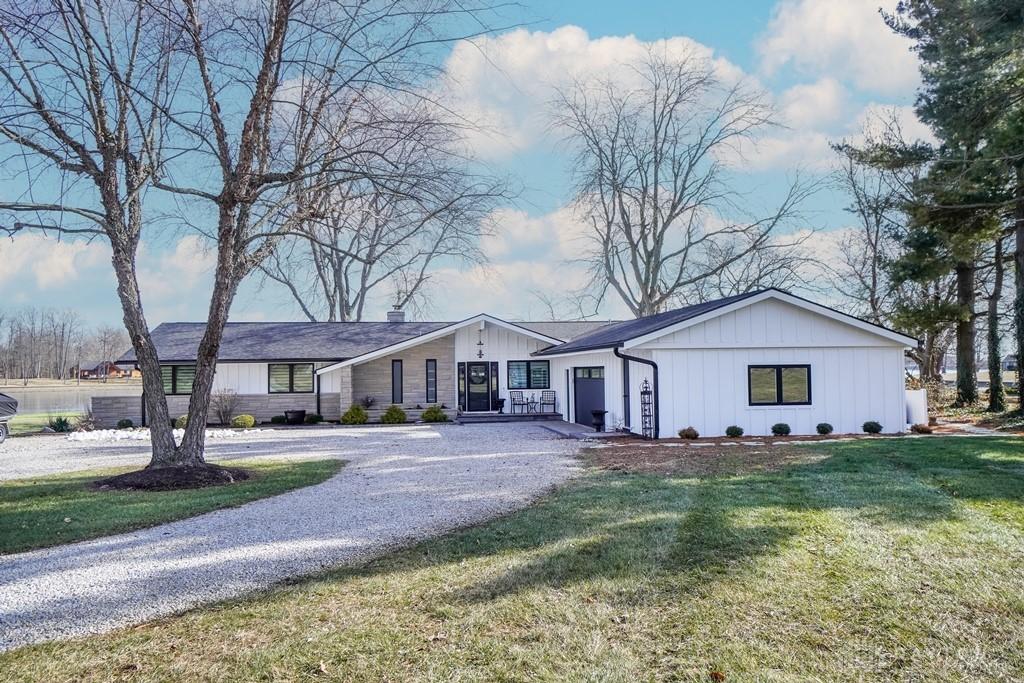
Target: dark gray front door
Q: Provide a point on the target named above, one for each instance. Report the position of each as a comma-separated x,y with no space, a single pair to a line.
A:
478,391
588,387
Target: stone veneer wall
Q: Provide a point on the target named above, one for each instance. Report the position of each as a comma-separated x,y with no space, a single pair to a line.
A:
109,409
374,377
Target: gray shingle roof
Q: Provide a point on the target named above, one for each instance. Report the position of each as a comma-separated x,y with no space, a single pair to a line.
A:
178,342
616,334
283,341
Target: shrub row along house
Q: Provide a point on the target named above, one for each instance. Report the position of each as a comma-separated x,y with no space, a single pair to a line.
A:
753,360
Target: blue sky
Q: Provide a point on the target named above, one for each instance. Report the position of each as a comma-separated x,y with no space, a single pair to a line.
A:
828,65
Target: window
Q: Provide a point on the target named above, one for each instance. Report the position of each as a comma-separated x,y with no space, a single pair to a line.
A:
396,381
290,378
431,380
590,373
177,379
778,385
529,374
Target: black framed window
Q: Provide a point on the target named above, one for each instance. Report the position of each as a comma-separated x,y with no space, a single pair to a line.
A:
178,379
529,374
290,378
779,385
590,373
396,381
431,380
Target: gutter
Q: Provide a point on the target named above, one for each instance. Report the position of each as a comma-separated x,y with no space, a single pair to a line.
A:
625,393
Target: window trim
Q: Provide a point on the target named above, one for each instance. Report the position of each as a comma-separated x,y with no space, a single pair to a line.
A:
426,381
397,389
174,379
778,368
291,379
529,376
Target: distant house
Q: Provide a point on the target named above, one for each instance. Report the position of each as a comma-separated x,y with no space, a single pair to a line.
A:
103,369
1010,363
751,360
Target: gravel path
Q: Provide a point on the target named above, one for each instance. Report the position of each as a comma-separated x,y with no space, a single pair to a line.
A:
402,484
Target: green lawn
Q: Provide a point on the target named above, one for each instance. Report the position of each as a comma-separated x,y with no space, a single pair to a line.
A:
32,422
874,560
52,510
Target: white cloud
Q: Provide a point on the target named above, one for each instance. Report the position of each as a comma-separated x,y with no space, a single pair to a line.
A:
171,280
809,149
843,38
50,262
505,83
515,235
813,104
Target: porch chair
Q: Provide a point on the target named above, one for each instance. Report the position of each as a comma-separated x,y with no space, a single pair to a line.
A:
517,399
547,398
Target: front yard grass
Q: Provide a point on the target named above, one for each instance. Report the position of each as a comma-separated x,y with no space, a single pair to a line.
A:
872,560
30,423
57,509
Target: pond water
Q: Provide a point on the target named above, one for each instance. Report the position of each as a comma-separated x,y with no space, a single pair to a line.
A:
65,399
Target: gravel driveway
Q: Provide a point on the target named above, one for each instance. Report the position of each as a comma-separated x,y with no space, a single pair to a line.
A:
402,484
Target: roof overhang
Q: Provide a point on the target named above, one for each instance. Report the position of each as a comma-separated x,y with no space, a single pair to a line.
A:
788,298
392,349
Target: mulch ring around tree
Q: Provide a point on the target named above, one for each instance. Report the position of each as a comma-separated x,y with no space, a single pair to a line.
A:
173,478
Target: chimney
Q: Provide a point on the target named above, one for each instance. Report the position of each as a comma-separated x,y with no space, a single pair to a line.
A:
396,315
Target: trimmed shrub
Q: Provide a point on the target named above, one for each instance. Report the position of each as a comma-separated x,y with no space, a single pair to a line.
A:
733,431
60,424
279,420
243,421
921,429
688,433
872,427
125,424
824,428
314,419
393,416
355,415
434,414
181,422
780,429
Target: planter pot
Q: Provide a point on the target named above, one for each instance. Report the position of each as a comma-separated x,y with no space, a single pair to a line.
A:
501,406
597,419
294,417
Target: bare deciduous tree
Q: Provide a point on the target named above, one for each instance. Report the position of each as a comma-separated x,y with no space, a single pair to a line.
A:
225,106
866,252
388,228
652,184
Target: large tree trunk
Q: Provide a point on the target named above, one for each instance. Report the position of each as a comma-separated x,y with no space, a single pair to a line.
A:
1018,262
996,391
966,365
225,285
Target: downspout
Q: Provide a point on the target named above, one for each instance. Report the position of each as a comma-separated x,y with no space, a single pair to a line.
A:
654,384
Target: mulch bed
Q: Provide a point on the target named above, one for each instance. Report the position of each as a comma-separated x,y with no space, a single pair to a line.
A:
173,478
710,458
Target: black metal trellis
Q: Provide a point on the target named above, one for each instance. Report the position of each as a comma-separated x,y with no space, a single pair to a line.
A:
646,410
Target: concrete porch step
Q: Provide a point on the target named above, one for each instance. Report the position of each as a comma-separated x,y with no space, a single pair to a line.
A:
484,418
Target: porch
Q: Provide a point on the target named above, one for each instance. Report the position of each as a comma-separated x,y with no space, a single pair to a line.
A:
495,417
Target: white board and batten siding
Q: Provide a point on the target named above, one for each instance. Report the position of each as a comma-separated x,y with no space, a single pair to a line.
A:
856,376
249,379
500,345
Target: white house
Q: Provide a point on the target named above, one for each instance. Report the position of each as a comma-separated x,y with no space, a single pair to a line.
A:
751,360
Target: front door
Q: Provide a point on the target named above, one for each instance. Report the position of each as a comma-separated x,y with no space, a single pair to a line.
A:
478,390
588,387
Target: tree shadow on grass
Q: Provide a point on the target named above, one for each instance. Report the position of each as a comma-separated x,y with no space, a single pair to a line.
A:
620,525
